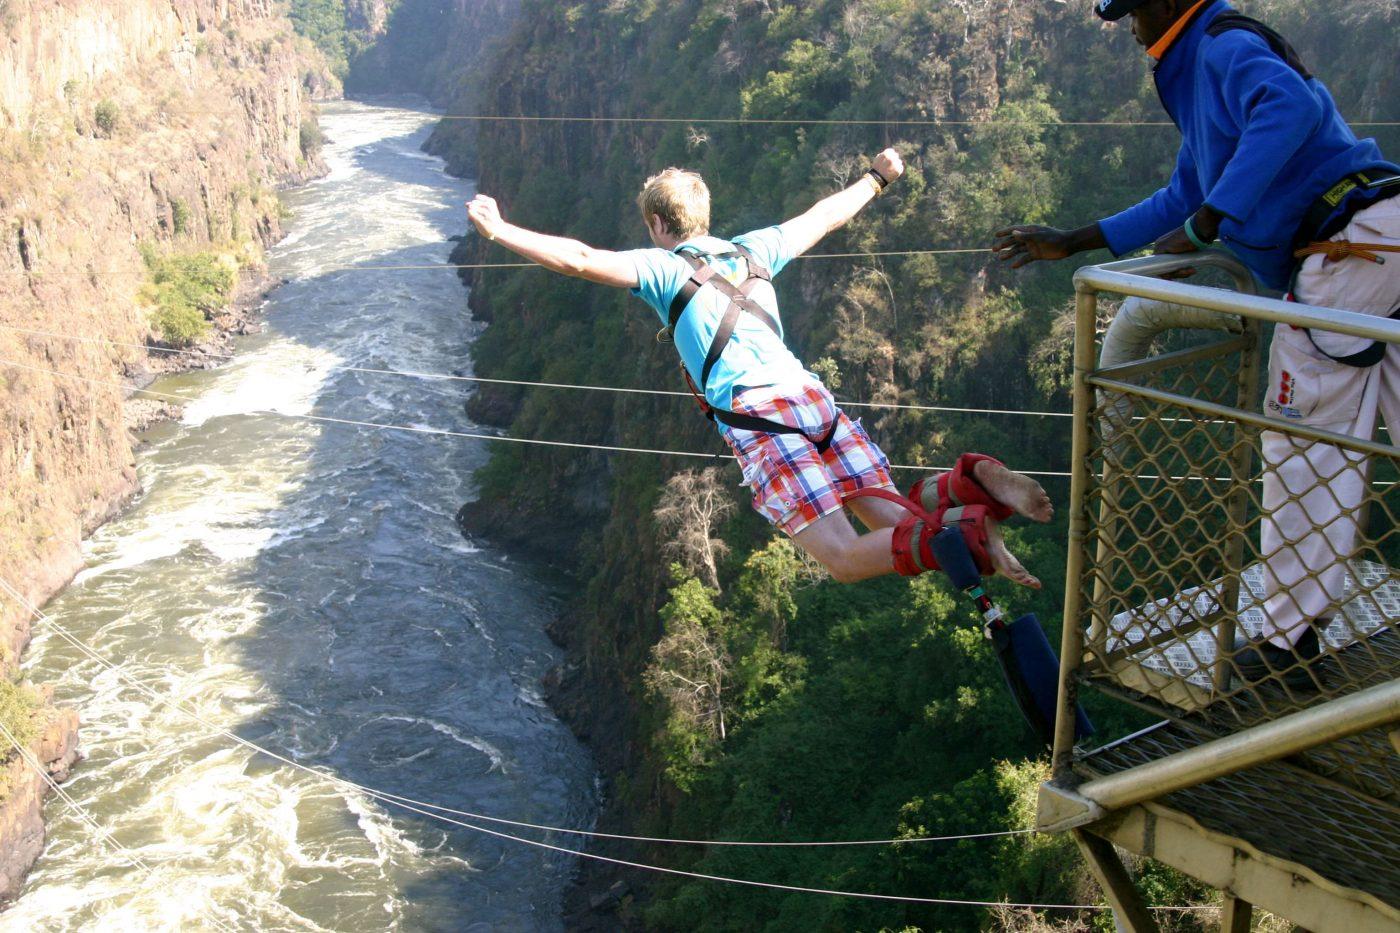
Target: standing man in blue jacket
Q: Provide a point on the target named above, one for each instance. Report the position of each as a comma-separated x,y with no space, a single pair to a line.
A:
1269,168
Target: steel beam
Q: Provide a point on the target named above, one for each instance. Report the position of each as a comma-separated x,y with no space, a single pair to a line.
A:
1123,896
1287,889
1235,915
1372,708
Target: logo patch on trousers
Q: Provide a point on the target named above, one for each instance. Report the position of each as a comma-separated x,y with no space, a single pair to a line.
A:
1283,403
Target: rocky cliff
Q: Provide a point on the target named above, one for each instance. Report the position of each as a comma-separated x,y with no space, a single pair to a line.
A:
428,47
162,125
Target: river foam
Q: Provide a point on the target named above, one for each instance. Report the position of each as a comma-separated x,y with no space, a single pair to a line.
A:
304,586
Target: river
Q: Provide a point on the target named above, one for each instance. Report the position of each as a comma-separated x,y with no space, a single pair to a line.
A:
303,585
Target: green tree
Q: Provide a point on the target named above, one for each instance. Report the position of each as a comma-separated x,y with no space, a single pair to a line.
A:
106,116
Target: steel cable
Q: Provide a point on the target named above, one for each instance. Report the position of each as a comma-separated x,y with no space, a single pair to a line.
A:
441,814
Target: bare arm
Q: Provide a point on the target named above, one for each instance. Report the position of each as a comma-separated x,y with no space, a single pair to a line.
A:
806,230
557,254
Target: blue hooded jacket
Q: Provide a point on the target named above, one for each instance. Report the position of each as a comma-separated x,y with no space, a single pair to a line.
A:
1259,145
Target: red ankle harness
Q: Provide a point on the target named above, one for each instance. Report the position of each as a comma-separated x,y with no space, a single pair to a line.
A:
961,500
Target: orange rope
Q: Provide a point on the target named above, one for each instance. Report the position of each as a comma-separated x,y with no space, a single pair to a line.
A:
1337,250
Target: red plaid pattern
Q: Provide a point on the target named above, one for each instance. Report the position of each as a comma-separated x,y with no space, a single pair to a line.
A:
792,484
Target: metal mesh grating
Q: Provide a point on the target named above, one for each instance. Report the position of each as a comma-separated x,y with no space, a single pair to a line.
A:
1343,836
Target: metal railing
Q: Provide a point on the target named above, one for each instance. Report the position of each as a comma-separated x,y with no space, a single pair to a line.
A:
1199,525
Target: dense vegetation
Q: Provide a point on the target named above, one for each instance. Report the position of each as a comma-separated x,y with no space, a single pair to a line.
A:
184,290
324,22
731,692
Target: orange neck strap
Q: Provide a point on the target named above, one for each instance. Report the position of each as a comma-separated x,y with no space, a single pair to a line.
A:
1163,44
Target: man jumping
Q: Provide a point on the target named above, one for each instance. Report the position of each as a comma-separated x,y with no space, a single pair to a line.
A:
802,457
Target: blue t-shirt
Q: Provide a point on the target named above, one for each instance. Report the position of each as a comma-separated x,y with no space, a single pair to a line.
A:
754,356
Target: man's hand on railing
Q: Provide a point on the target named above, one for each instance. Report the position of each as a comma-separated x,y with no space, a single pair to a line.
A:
1196,234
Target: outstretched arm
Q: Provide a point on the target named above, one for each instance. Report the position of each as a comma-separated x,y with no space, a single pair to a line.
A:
804,231
557,254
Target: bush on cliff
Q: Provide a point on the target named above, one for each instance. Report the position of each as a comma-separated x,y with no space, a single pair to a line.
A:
18,704
312,138
179,217
107,116
184,290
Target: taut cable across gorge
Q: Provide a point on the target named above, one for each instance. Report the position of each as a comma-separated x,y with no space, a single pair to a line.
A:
313,678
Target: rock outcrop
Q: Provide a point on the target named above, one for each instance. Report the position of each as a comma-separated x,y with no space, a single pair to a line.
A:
164,124
55,750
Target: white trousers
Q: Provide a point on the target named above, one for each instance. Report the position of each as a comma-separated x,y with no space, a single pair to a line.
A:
1313,491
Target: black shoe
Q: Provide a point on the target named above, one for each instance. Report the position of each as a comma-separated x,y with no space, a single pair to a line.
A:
1264,660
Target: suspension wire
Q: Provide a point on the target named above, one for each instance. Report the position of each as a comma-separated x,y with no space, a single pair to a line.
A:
82,814
439,266
452,377
572,445
161,700
444,814
816,121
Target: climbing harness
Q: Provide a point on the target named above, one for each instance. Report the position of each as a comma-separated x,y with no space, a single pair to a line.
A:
1328,216
740,302
1330,213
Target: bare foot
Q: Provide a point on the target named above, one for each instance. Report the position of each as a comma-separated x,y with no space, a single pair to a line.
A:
1004,561
1016,490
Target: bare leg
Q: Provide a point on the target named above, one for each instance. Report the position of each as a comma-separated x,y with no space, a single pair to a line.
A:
848,556
878,513
1016,490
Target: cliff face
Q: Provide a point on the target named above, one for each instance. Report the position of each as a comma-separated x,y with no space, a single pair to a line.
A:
123,123
156,122
427,47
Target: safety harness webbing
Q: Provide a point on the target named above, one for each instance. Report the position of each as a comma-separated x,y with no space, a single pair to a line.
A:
740,302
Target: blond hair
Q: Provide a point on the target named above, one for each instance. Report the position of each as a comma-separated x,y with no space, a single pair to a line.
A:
680,199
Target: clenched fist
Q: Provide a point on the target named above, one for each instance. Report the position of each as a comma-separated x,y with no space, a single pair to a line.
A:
889,165
486,216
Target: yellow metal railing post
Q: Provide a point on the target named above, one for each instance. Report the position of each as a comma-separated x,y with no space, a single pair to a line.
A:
1241,475
1072,637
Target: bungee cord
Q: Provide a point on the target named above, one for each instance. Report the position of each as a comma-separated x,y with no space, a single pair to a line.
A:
131,858
447,815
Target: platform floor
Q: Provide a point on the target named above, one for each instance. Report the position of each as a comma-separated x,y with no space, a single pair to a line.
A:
1372,605
1343,836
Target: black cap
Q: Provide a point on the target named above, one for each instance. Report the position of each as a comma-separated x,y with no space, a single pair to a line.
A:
1112,10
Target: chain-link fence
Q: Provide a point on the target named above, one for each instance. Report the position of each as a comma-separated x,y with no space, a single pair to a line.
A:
1233,534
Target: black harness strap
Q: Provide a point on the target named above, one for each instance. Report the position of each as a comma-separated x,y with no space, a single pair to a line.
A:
740,302
1230,19
1361,359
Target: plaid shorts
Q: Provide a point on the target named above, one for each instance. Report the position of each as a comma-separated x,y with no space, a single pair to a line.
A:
792,484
